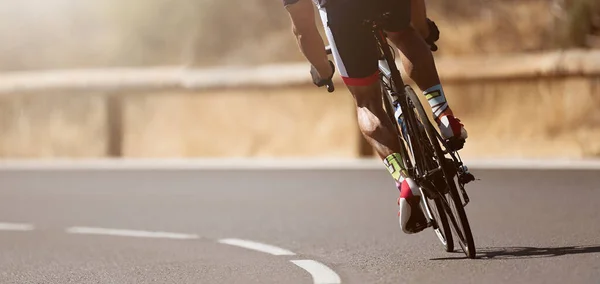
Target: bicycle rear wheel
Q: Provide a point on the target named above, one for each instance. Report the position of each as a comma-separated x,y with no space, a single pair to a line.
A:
450,199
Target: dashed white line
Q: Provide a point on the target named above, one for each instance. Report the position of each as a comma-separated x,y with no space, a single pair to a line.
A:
321,274
129,233
256,246
15,227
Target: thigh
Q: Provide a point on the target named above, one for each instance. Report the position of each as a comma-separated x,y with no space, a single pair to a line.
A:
353,46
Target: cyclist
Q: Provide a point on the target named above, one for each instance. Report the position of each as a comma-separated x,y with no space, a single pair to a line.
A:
356,55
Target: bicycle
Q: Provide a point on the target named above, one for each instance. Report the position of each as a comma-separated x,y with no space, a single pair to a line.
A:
424,152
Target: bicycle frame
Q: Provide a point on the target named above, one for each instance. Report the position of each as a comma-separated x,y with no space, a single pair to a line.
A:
395,97
395,94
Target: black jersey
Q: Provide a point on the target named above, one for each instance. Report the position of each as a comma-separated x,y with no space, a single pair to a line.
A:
354,48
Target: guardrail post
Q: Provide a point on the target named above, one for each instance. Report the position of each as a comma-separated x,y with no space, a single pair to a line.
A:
114,125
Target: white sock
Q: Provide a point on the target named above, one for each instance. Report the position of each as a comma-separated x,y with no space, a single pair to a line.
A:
437,100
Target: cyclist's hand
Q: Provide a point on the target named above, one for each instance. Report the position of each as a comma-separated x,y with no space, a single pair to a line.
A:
434,35
320,82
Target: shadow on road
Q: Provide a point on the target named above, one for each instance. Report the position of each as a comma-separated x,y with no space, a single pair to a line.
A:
527,252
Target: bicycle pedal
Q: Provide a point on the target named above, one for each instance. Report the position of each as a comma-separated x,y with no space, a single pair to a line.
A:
420,227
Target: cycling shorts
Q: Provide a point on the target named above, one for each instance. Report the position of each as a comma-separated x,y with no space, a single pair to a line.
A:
354,47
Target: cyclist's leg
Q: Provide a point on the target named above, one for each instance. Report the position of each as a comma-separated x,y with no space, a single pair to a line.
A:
356,55
419,64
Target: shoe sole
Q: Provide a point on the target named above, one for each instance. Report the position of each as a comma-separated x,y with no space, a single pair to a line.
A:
455,144
417,221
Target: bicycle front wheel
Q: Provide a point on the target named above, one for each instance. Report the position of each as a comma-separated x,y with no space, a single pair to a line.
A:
450,199
424,157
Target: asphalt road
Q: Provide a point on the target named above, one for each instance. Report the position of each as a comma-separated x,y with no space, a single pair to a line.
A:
529,227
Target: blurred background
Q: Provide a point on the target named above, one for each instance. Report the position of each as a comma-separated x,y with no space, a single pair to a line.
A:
523,75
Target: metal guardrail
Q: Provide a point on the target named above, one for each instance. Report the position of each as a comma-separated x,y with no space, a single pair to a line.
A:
153,78
116,82
131,80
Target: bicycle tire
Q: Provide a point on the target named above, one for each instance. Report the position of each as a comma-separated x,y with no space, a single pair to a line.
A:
443,230
432,207
465,236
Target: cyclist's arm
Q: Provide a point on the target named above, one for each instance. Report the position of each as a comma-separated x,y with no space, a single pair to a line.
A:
419,17
307,35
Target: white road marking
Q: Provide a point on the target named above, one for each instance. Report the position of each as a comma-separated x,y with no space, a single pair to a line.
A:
256,246
321,274
129,233
15,227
